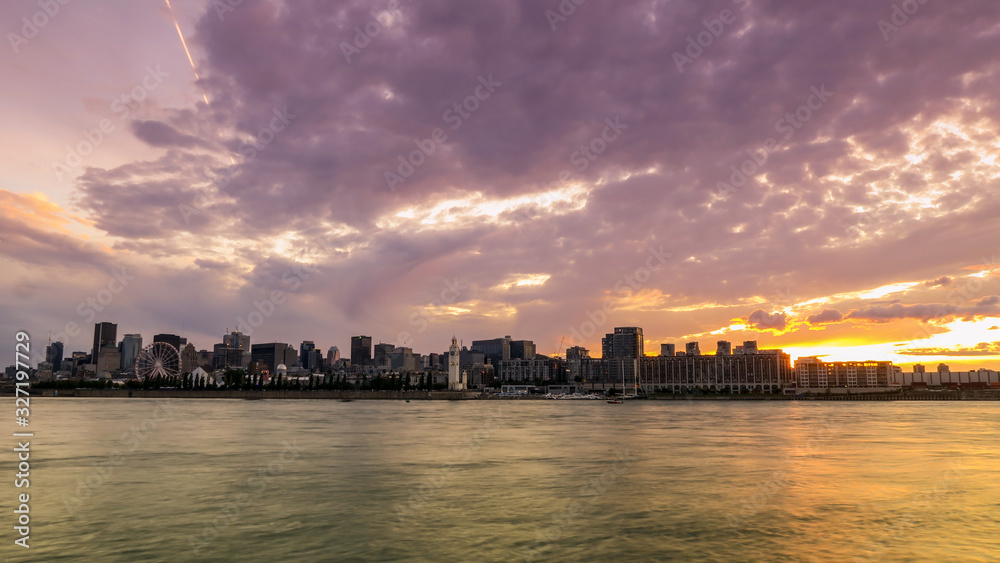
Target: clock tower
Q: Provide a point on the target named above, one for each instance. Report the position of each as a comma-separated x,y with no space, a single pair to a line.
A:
455,380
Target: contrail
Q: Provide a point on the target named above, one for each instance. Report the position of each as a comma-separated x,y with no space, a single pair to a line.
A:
185,45
187,52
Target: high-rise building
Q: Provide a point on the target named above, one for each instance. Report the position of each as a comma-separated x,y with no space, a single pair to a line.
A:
104,334
189,358
495,350
622,350
522,350
692,349
404,360
361,350
109,360
270,354
177,342
130,347
383,356
332,356
668,350
54,354
724,348
171,339
237,349
306,355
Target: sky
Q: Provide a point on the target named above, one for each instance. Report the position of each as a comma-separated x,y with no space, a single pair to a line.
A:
815,176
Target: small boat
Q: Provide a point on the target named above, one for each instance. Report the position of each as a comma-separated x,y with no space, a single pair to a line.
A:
615,402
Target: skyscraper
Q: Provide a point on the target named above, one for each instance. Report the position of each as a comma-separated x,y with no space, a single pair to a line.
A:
272,354
105,334
130,347
495,350
54,354
361,350
237,349
622,350
306,355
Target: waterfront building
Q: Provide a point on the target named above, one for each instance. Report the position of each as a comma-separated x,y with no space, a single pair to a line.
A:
271,354
813,373
766,371
361,351
130,347
105,334
496,350
54,354
668,350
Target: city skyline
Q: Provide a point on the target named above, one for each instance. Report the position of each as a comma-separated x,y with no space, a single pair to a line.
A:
707,171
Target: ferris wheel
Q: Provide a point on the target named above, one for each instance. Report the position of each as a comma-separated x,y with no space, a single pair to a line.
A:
158,360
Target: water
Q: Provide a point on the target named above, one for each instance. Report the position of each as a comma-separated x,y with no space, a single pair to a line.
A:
512,481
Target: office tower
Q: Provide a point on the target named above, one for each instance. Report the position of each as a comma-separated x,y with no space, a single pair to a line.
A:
171,339
189,358
237,348
332,356
306,356
270,354
622,349
54,354
495,350
130,347
522,350
724,348
104,334
692,349
383,356
361,350
109,360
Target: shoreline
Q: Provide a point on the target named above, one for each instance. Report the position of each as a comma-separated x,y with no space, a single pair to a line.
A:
476,396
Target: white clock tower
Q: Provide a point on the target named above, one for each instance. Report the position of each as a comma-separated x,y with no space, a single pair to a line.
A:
455,382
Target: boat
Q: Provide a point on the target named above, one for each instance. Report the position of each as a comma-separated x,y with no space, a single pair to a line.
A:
615,402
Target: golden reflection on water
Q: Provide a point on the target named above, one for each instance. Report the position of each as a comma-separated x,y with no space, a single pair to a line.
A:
514,480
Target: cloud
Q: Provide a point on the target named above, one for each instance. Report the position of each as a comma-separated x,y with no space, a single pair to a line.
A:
159,134
827,316
986,307
943,281
761,320
982,349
